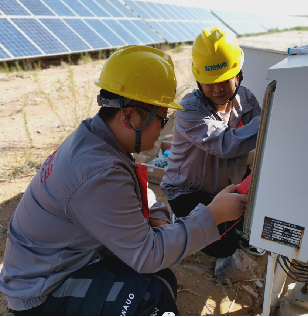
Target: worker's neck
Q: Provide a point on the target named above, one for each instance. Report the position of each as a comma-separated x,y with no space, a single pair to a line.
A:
123,135
224,108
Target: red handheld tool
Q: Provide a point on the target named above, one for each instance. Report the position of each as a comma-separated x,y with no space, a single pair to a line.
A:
242,188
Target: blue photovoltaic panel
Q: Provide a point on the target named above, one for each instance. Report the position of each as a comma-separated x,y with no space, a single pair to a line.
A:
67,36
173,28
4,54
195,12
151,10
194,29
240,23
12,7
59,8
40,36
36,7
145,9
124,9
78,8
183,28
151,33
122,32
162,30
144,39
159,10
106,33
96,9
87,33
184,13
110,8
172,15
15,42
178,14
138,10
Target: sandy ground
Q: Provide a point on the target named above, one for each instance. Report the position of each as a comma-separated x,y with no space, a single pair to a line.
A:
39,109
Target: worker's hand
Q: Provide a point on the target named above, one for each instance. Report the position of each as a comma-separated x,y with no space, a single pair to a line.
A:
154,222
227,205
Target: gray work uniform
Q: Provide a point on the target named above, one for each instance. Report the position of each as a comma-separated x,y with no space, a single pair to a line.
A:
207,154
85,198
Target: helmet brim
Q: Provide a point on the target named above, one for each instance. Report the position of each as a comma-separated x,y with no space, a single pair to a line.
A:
206,79
171,104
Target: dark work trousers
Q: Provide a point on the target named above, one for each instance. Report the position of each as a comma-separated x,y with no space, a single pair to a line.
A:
182,205
110,288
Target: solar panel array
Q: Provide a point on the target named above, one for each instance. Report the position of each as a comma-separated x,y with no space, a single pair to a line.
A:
246,23
174,23
240,23
34,28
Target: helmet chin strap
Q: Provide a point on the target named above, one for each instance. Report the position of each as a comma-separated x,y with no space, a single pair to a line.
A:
138,130
210,102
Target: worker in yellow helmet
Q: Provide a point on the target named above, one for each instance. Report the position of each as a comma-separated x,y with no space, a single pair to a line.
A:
213,134
86,239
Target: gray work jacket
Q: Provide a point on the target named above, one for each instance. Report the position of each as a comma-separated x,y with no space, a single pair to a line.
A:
207,154
85,198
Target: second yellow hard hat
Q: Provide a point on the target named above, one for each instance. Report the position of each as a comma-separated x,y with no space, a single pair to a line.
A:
216,56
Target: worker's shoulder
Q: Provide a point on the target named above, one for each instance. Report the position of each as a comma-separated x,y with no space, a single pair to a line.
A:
84,154
247,96
193,101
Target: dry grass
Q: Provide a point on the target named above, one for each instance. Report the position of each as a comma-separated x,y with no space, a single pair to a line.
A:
68,102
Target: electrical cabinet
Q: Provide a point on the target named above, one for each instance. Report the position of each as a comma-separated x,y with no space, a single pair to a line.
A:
277,212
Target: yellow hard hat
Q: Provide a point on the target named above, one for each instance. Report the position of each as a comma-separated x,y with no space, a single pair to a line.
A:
216,56
140,73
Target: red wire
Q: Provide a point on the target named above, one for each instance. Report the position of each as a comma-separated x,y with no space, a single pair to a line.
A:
232,226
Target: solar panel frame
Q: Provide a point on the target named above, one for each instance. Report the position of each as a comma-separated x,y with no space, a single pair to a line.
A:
125,34
12,7
37,7
59,8
15,42
87,33
47,42
107,34
79,8
66,35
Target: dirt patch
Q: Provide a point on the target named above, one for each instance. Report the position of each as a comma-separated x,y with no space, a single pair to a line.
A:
39,109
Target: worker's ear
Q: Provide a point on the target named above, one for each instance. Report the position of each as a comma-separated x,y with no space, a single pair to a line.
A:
237,78
127,115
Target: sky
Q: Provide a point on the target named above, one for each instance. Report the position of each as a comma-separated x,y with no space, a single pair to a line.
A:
294,7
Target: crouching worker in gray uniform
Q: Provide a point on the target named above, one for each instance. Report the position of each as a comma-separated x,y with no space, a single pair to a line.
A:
213,135
86,239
